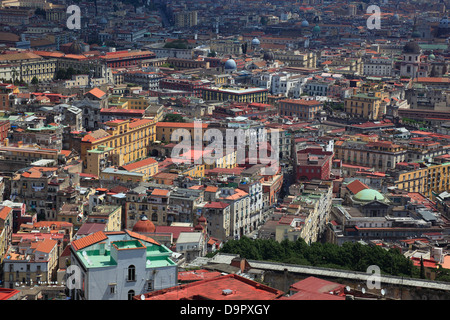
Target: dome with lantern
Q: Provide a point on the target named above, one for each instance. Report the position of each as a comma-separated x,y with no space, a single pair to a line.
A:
144,225
255,42
230,64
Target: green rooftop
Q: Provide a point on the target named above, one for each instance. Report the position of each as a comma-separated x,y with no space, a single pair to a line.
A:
156,255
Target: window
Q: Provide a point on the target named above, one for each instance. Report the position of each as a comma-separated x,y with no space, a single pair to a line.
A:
131,294
112,288
131,273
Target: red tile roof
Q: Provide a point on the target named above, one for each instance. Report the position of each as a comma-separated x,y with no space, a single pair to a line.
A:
46,245
313,288
97,92
216,205
139,164
356,186
141,237
160,192
88,240
4,212
239,288
196,275
6,294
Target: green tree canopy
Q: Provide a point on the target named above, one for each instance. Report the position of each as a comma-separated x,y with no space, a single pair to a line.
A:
349,256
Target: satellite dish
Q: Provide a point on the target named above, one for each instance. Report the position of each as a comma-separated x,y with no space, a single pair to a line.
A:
363,290
142,297
347,288
383,292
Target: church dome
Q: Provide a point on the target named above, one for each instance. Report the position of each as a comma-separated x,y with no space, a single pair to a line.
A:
411,47
230,64
432,57
444,23
316,29
75,48
144,226
255,42
305,24
269,56
367,195
415,34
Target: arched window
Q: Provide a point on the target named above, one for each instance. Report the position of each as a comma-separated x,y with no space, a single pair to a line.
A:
131,273
131,294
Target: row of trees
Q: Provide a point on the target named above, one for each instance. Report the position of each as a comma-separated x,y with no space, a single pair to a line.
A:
349,256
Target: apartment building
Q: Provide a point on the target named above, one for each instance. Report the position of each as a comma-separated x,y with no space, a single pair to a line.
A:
307,110
249,95
38,188
381,155
109,215
186,19
185,205
31,262
6,231
30,65
218,217
297,59
148,167
378,66
128,138
429,179
152,203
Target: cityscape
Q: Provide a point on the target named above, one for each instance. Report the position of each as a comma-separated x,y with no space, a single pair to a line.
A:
279,150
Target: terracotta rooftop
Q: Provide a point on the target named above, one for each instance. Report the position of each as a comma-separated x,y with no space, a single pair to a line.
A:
227,287
88,240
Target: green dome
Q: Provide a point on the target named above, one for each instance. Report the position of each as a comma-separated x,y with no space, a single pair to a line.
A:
316,29
369,195
432,56
415,34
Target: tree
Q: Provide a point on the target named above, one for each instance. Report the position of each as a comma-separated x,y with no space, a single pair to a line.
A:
171,117
264,20
34,80
212,53
244,47
422,269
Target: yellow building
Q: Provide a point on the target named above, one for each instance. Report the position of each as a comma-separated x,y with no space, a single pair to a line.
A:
429,181
29,65
120,175
164,130
128,102
365,105
413,181
148,167
128,138
110,215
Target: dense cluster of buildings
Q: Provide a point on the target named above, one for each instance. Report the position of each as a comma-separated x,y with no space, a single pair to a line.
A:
157,132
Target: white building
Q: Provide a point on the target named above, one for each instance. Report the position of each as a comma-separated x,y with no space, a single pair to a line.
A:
119,266
378,66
